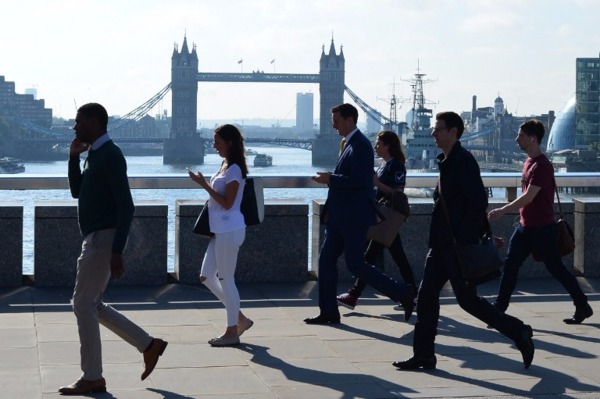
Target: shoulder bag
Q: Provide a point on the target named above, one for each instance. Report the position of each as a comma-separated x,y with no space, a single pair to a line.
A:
202,225
566,238
393,211
478,263
253,201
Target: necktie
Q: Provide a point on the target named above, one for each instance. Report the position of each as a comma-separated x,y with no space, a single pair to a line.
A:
342,145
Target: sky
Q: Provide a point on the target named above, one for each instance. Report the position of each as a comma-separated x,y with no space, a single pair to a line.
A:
119,52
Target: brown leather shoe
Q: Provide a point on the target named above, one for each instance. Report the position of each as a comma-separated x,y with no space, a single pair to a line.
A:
81,387
151,355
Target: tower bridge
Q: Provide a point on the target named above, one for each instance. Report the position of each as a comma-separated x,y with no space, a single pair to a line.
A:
182,146
259,77
304,144
184,143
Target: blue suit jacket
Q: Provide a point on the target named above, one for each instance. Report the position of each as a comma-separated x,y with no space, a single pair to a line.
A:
351,199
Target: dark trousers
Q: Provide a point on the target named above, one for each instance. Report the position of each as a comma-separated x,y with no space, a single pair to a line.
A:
542,240
351,242
441,266
374,251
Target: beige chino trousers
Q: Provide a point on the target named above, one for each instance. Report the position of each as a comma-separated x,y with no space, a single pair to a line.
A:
93,274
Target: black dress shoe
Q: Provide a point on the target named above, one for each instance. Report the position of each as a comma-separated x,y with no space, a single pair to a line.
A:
322,319
417,362
580,315
525,345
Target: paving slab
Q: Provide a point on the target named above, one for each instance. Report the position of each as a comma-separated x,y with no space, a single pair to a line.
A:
282,357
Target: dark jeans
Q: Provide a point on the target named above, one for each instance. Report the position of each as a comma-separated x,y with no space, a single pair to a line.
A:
374,251
351,242
544,240
441,266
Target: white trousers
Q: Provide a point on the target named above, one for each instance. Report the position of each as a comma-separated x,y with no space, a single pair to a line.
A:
218,267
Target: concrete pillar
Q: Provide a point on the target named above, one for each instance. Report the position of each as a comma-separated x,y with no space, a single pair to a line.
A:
11,250
57,244
415,237
414,234
505,227
587,236
273,251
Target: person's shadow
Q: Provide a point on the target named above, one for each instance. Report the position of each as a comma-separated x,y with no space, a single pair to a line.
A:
544,379
348,384
549,380
168,394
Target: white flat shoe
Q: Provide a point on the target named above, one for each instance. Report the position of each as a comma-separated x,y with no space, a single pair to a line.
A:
224,341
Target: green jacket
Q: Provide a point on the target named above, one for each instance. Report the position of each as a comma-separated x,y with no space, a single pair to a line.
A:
103,191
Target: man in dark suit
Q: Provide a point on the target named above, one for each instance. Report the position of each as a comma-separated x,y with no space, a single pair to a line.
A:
349,211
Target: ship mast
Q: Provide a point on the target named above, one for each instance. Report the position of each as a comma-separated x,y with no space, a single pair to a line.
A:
393,101
421,115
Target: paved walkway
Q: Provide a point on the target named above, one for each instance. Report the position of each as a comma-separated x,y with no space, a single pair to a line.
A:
281,357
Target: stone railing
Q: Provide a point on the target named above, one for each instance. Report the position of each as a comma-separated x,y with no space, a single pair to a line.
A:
276,250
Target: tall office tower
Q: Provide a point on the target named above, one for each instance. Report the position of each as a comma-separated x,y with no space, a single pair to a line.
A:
304,112
32,91
587,97
373,125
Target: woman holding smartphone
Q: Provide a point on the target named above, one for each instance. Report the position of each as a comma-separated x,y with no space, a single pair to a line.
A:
227,223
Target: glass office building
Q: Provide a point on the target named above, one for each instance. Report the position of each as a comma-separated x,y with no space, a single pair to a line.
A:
562,134
587,108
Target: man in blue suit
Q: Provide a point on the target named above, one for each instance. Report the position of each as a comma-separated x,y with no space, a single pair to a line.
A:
348,213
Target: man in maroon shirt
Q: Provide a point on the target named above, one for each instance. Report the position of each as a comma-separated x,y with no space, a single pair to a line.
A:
537,230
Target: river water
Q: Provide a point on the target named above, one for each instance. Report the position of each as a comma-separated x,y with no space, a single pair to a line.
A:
286,161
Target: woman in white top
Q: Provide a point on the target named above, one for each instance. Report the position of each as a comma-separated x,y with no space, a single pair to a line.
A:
227,223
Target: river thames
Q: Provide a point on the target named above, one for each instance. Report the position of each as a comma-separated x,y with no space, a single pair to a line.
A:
286,162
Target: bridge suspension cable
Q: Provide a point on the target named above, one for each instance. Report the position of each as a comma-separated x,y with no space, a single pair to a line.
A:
476,135
372,112
30,126
140,111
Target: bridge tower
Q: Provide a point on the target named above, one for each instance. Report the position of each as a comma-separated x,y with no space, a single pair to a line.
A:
184,145
332,69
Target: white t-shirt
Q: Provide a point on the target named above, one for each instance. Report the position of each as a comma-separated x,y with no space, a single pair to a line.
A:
222,220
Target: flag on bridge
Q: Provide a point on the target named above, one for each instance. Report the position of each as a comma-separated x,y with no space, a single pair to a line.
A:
240,61
273,60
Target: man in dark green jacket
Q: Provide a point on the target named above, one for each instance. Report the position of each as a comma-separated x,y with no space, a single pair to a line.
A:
105,211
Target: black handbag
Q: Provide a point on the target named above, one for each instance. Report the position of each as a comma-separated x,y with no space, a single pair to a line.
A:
253,203
478,262
202,225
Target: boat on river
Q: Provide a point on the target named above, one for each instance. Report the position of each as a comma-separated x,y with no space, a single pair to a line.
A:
11,165
263,160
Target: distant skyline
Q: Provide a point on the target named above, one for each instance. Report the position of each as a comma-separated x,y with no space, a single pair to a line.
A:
119,53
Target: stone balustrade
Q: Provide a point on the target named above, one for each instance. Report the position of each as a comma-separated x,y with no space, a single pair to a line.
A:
276,250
